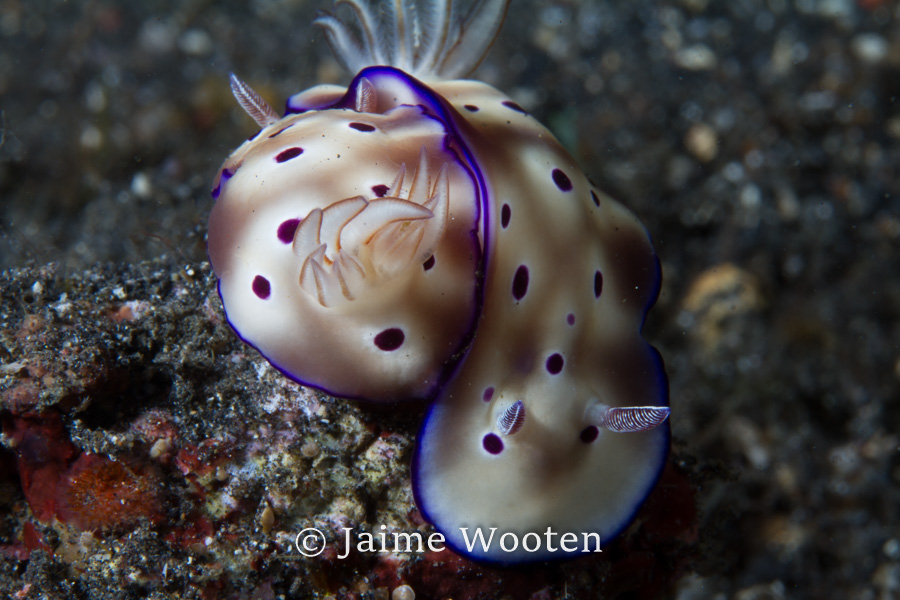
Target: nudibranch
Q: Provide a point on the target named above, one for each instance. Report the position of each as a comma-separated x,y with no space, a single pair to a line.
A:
418,236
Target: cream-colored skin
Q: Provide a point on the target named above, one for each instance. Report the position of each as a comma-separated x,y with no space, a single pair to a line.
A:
327,339
545,476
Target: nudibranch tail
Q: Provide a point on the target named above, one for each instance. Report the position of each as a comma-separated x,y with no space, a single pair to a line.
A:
430,43
258,109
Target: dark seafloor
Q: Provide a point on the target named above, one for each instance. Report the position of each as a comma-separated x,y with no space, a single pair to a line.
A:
148,454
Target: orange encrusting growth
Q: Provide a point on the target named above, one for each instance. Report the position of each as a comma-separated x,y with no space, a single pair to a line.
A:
99,493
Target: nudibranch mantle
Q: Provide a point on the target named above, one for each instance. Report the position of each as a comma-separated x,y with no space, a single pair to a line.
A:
330,259
414,236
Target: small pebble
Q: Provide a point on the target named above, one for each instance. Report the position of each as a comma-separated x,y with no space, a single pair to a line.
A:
869,47
891,549
716,298
195,42
267,519
310,449
404,592
140,185
696,58
702,142
160,447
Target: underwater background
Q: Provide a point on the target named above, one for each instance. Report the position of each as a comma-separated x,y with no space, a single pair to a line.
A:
148,454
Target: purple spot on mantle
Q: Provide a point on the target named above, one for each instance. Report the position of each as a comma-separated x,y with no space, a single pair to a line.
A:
562,180
598,284
286,230
554,363
488,394
505,213
570,319
390,339
471,108
380,190
261,287
514,106
288,154
492,443
595,198
428,264
520,282
589,434
362,127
